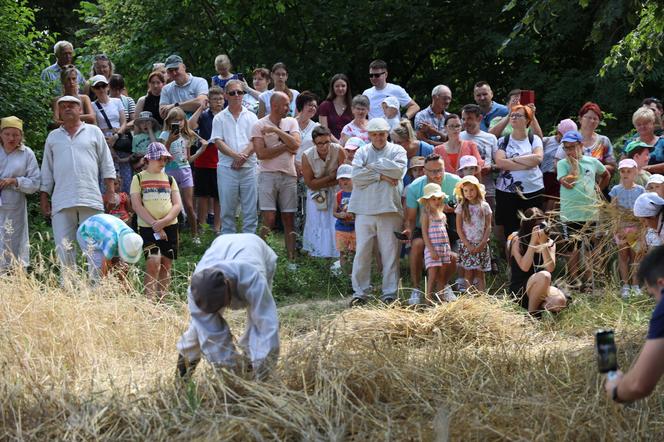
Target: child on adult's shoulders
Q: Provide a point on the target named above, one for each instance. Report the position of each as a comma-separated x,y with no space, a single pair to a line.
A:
390,107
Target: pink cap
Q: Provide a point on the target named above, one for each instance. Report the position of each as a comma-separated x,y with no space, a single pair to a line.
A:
566,125
627,163
467,161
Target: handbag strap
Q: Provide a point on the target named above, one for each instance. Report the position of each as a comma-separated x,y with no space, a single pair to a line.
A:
103,114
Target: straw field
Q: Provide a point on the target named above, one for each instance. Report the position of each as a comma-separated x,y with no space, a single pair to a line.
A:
99,364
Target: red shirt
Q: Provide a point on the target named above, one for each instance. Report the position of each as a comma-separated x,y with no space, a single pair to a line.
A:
335,121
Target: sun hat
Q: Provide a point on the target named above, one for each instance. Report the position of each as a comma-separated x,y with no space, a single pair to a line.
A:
208,289
627,163
458,189
130,247
391,102
173,62
378,125
354,143
94,81
69,99
467,161
345,171
416,162
648,204
573,136
157,150
655,178
431,190
13,122
147,116
566,125
636,144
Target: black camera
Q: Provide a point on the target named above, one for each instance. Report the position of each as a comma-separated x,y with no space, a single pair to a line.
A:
544,227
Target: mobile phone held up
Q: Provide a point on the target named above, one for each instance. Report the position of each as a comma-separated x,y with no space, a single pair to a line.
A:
607,358
527,97
240,76
175,128
400,236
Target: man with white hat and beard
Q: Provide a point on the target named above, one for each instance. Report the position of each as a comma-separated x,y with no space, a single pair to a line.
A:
236,272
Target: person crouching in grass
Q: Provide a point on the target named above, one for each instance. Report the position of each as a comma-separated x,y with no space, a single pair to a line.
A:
579,198
156,200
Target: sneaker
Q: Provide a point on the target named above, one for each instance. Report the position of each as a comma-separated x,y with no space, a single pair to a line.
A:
186,368
448,294
357,302
196,240
388,300
415,297
460,285
210,219
291,267
625,291
335,268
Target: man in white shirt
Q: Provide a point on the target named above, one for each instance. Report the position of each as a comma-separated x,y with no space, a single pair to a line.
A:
236,171
382,89
184,91
75,156
236,272
378,168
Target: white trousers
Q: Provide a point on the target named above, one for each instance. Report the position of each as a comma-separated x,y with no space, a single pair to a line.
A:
380,228
65,224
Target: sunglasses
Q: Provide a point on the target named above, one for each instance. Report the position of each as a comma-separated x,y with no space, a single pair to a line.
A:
235,93
376,75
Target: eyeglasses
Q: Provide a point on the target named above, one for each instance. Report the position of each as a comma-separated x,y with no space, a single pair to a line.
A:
454,126
323,143
517,116
376,74
234,93
101,57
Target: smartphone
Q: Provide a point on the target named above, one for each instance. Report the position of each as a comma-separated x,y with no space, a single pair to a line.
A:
527,97
157,236
175,128
401,236
607,359
240,76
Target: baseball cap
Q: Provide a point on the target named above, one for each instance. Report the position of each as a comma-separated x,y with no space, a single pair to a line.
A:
648,204
655,178
636,144
94,81
130,247
354,143
208,289
392,102
69,99
467,161
173,61
566,125
378,125
345,171
573,136
157,150
416,162
627,163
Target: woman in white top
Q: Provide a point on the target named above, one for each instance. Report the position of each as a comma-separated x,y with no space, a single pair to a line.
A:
307,106
319,169
520,184
279,74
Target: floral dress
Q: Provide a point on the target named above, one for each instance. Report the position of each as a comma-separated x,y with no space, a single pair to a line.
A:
474,231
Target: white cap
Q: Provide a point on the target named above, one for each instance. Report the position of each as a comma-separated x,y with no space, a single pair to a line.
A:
345,171
98,79
627,163
648,204
655,178
378,125
392,102
467,161
68,99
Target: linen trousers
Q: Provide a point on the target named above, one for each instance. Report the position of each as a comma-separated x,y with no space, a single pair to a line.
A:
238,186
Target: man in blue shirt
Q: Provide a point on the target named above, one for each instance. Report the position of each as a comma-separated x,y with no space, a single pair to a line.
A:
64,54
489,108
642,378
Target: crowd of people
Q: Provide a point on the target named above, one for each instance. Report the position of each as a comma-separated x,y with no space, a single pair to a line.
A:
362,179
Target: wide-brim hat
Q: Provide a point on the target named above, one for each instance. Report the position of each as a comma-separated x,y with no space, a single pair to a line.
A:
147,116
431,190
468,179
156,150
130,247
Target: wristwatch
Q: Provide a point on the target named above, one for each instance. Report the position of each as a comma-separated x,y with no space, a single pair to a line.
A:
614,395
176,104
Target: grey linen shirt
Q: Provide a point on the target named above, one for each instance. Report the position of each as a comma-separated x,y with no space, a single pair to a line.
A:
371,196
72,166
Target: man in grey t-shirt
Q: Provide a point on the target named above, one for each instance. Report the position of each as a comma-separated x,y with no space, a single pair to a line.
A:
486,145
185,91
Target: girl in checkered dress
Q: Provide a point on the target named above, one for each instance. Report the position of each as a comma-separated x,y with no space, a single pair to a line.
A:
437,245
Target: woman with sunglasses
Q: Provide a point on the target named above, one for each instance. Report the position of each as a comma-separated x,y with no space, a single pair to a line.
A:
520,183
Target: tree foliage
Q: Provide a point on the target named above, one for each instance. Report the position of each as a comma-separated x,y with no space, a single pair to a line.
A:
22,57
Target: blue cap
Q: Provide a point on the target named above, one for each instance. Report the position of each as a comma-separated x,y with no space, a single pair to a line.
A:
573,136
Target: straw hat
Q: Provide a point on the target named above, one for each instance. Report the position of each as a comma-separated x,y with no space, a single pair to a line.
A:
431,190
458,189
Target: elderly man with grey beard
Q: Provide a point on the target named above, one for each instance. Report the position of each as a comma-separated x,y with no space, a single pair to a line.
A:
430,122
378,168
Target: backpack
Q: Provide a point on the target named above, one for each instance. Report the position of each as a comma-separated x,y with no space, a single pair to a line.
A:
506,140
134,217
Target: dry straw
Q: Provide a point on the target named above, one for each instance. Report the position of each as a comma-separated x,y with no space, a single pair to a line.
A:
99,364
